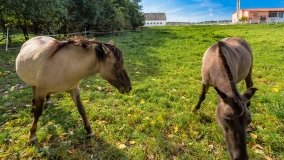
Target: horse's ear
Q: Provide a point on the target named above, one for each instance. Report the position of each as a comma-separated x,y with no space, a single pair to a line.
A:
105,49
99,52
249,93
111,42
86,45
221,94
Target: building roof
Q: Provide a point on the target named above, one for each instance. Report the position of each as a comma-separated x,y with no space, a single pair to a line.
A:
154,16
264,9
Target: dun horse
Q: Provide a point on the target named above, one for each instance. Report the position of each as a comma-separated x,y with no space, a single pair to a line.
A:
51,66
224,64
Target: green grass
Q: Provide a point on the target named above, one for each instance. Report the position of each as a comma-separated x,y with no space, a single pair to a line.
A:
154,121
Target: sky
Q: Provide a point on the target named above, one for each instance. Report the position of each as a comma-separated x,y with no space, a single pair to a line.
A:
203,10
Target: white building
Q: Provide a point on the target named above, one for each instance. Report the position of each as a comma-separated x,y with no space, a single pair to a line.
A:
155,19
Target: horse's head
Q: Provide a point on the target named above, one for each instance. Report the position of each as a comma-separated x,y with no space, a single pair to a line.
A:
233,116
112,67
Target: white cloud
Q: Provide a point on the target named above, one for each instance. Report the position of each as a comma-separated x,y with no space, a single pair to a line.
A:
174,10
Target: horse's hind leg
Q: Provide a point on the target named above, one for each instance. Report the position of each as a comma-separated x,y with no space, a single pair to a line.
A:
201,97
75,94
33,100
249,82
38,102
48,99
248,79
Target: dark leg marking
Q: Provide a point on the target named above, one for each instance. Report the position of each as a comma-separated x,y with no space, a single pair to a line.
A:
201,97
248,79
37,113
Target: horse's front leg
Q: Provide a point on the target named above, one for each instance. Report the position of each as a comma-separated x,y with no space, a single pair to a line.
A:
37,111
75,94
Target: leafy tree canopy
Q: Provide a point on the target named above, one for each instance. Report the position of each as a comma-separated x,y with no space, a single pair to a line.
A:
62,16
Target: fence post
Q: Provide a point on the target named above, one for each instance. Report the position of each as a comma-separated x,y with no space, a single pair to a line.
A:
7,39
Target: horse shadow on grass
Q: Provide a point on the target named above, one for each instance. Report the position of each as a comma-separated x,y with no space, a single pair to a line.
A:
64,137
61,135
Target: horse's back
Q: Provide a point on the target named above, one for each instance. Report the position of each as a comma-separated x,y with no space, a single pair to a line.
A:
209,63
32,54
238,56
239,44
54,66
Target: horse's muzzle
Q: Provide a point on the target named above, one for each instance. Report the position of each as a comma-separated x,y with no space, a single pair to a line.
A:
125,89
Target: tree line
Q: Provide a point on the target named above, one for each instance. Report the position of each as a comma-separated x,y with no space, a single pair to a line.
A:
63,16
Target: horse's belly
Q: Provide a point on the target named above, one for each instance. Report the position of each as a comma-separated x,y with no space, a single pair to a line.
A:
243,70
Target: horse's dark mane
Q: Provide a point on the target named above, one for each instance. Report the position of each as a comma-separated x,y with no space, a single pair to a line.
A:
58,45
87,44
221,45
101,55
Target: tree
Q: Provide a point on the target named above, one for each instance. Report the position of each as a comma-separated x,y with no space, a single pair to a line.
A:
136,16
47,18
132,12
32,13
81,14
51,16
244,18
2,20
15,14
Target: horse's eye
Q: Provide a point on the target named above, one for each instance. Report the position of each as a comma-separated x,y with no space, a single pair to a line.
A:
236,100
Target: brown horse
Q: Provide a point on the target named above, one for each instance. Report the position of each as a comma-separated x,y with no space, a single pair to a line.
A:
224,64
51,66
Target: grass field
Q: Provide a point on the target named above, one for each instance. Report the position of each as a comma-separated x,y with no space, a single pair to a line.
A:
154,121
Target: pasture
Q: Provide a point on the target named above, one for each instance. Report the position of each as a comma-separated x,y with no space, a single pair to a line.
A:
155,120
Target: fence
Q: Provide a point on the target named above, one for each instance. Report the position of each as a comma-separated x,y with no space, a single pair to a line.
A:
226,22
5,45
269,21
223,22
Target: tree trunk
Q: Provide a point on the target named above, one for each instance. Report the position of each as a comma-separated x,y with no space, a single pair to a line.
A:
2,22
35,27
25,32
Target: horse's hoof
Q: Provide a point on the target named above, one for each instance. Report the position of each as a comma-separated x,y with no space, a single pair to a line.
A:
90,135
194,111
33,140
33,110
48,102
